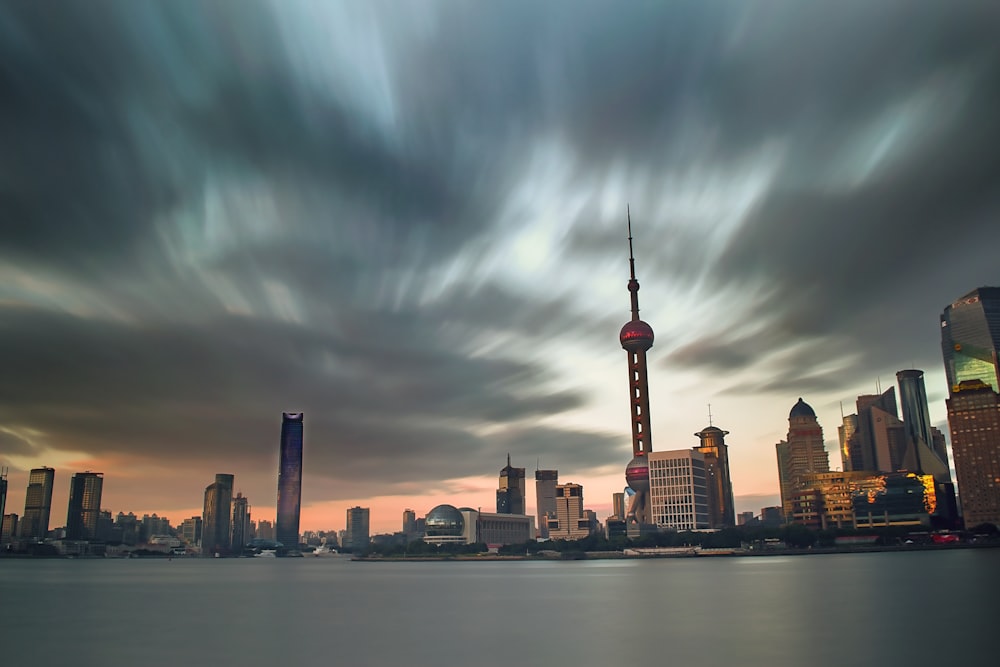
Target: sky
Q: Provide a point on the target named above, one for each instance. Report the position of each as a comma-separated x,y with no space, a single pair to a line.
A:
408,221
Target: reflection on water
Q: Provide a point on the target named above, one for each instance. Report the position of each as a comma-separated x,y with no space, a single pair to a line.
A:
914,608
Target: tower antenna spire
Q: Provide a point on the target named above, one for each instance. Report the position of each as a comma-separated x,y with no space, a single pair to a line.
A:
709,414
631,255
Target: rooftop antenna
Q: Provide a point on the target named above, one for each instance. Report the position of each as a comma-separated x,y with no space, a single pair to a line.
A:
878,384
841,411
709,414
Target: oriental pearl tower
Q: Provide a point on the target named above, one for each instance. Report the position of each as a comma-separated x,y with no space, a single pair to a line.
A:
636,337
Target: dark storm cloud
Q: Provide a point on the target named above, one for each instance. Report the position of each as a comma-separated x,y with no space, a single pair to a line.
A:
172,164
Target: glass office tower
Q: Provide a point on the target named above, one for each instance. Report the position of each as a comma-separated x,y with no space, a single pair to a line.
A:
289,480
85,489
37,504
970,338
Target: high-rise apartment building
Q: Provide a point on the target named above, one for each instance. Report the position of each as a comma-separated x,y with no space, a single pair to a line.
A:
970,338
191,530
409,523
678,489
358,535
265,530
571,523
721,510
216,519
803,451
510,495
241,523
974,418
545,499
8,529
85,489
34,523
290,480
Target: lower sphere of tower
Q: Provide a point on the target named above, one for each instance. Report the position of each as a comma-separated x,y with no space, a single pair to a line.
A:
637,474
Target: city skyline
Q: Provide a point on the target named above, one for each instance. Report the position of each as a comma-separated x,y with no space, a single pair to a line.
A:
390,219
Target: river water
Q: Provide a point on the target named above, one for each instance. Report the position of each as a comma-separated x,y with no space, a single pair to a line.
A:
911,608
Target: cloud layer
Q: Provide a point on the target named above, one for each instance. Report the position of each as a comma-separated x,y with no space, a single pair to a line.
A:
407,221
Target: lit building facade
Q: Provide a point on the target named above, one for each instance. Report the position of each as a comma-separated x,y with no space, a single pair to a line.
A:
863,499
34,522
974,419
8,530
803,452
570,523
85,490
216,519
510,495
721,509
358,532
678,489
545,499
289,480
636,337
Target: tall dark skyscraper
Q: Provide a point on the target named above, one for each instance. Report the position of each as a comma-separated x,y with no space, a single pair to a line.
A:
712,446
37,504
510,495
289,480
85,491
636,338
970,338
241,523
3,491
217,517
545,498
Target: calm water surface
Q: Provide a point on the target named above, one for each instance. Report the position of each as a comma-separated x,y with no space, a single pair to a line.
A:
915,608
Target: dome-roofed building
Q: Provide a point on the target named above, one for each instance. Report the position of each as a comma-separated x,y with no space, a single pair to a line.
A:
444,525
801,453
802,409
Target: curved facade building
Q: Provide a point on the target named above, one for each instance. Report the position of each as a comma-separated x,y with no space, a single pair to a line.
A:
289,480
444,524
970,338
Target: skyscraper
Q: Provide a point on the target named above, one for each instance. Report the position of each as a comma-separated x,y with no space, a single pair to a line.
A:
510,495
37,504
85,490
803,452
678,489
290,480
3,491
241,523
545,498
974,418
358,536
926,452
970,338
217,517
409,523
570,523
636,338
720,486
874,439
